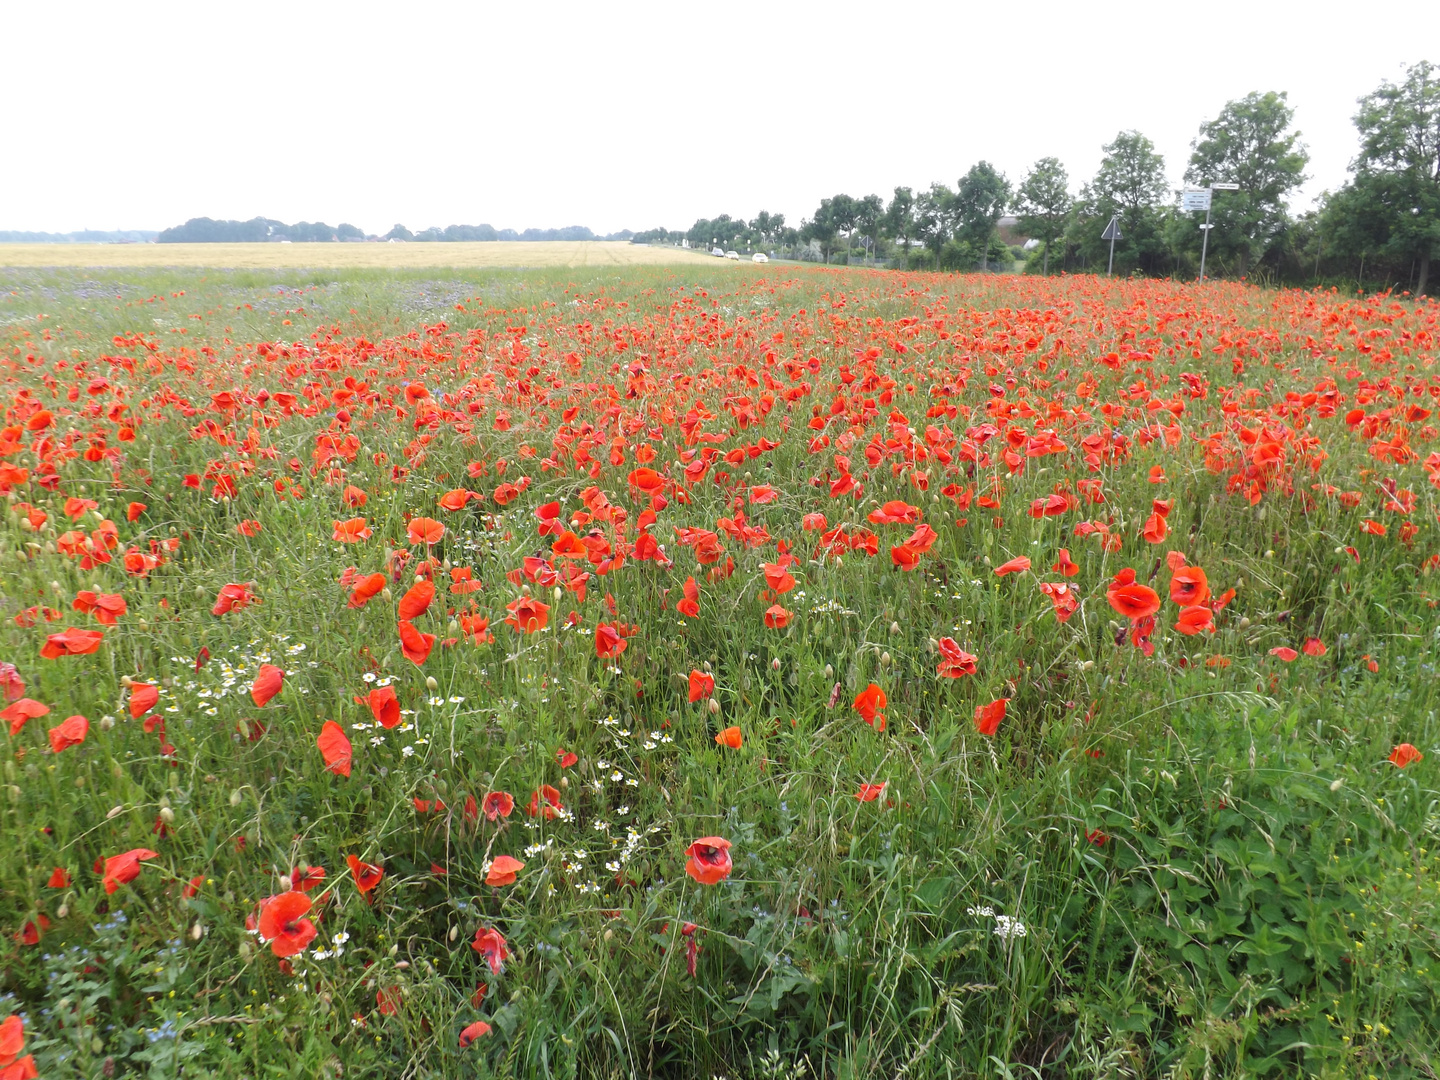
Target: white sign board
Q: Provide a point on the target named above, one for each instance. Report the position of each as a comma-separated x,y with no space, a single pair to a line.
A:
1195,200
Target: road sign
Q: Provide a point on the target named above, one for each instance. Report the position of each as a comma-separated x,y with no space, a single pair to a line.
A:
1112,231
1224,187
1194,199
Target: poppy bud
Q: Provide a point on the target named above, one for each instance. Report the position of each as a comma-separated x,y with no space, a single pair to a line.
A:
167,815
25,525
1245,623
106,723
564,781
714,707
126,681
419,578
558,593
14,790
609,935
235,797
454,932
246,951
894,628
430,683
143,625
114,812
884,659
524,590
775,664
386,594
168,682
62,911
197,932
453,628
199,590
79,781
829,672
394,950
1270,554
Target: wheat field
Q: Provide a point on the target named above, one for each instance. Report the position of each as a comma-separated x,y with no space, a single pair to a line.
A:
500,253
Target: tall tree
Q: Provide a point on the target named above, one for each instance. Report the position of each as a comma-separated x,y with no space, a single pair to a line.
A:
1131,183
868,212
821,227
1399,162
1250,143
843,209
1044,203
980,200
933,213
899,221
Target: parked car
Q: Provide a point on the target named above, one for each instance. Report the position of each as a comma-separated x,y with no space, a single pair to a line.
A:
733,255
759,256
719,253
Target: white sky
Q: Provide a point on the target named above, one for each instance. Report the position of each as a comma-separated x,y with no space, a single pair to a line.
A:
630,115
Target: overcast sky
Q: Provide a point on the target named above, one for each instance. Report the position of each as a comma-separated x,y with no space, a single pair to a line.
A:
630,115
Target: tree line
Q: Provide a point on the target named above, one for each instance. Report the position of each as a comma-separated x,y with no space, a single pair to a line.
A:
205,230
1379,230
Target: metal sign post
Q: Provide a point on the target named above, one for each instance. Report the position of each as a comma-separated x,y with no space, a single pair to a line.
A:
1200,199
1112,233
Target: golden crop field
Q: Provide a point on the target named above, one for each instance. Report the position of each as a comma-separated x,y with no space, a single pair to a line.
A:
499,253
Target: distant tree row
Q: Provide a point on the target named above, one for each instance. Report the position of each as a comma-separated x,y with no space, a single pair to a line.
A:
267,230
1381,229
85,236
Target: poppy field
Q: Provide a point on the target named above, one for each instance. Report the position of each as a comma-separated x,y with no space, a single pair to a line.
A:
716,672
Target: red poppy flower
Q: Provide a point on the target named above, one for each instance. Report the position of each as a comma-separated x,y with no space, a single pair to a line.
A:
608,641
455,500
1196,620
11,682
905,557
894,512
551,805
423,530
72,642
366,589
60,879
335,748
122,869
107,607
416,600
268,681
568,546
1405,754
503,871
709,861
233,597
1313,647
869,792
730,737
497,804
134,510
18,713
954,661
1017,565
1155,529
1284,652
352,531
1131,600
869,703
701,686
1189,586
1064,565
283,923
690,606
249,527
354,497
143,698
308,878
527,615
366,876
988,717
490,944
566,758
1062,598
777,618
69,732
384,705
414,644
472,1032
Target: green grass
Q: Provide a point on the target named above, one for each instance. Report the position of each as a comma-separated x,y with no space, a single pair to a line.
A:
1217,870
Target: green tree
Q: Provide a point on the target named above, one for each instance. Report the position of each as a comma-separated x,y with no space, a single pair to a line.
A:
1044,203
821,227
1130,183
980,200
899,220
1397,173
1250,143
934,210
843,211
868,212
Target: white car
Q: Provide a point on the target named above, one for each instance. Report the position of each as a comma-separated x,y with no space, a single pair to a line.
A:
759,256
719,253
733,255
